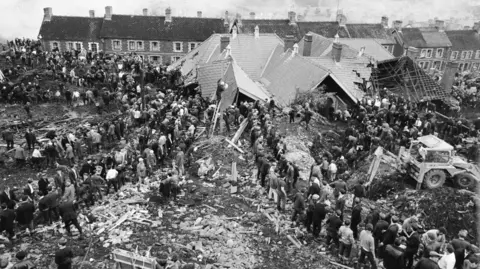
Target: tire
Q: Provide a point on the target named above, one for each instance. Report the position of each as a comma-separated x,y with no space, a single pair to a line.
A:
434,179
465,181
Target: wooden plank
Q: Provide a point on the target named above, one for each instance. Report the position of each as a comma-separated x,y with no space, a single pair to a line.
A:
239,132
235,146
298,245
121,220
133,260
340,265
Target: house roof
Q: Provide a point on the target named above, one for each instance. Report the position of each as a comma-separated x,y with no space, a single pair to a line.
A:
209,74
425,38
71,28
250,53
345,74
464,39
291,73
325,28
402,76
155,28
322,46
247,86
372,47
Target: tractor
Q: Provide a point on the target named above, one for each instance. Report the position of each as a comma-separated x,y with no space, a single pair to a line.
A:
430,161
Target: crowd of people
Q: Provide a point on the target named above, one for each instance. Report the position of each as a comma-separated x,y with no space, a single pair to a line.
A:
157,128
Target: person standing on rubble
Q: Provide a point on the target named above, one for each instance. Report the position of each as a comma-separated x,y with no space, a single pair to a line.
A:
298,207
367,247
7,219
67,211
356,218
346,241
334,223
180,162
25,214
319,213
112,179
30,139
141,170
64,255
20,156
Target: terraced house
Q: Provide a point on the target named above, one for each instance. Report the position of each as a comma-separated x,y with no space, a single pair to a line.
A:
465,48
162,39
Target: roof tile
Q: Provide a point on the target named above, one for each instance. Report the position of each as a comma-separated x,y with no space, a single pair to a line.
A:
464,39
71,28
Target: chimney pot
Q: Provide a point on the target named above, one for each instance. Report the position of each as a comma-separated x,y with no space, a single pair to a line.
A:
224,41
252,15
91,13
199,14
385,22
440,25
295,49
397,25
337,52
289,42
257,31
292,17
145,12
47,14
307,45
168,15
108,13
226,19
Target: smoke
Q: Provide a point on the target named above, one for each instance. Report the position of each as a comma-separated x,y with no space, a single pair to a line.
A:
22,18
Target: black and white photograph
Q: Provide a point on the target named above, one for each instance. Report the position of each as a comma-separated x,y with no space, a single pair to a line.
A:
240,134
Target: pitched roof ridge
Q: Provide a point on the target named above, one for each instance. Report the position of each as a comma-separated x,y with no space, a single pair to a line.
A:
86,17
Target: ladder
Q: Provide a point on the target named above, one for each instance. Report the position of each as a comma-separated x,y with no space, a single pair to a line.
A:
215,116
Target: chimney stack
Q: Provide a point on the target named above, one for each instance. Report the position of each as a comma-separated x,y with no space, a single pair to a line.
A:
289,42
199,14
257,31
47,14
385,22
337,49
307,45
292,17
252,15
108,13
91,13
168,15
476,27
224,41
449,76
226,20
440,25
295,49
145,12
397,25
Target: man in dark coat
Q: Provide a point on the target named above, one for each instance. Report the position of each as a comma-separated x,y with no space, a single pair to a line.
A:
356,218
334,224
30,138
43,185
393,256
319,214
64,255
7,218
69,216
25,213
87,168
8,137
8,197
48,205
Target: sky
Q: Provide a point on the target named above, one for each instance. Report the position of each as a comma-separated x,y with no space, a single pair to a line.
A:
22,18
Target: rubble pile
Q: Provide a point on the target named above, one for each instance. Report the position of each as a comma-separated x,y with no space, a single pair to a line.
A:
298,153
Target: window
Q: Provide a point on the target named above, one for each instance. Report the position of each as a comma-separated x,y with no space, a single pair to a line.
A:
131,45
78,45
116,44
69,45
154,46
175,58
93,46
475,67
192,45
439,53
466,66
423,53
423,65
437,65
460,67
454,55
177,46
429,53
155,59
464,55
55,45
469,55
477,54
140,45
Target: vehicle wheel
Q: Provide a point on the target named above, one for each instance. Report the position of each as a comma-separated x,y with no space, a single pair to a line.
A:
465,181
434,179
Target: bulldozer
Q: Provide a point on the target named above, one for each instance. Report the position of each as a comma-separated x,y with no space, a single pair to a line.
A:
431,162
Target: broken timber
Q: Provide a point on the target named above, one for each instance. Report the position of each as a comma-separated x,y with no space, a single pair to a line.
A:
235,146
295,242
239,132
340,265
129,260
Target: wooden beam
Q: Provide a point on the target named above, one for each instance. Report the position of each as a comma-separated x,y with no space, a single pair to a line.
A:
235,146
298,245
239,132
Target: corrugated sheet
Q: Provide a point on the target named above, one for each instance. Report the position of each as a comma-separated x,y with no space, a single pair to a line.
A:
291,74
344,72
464,39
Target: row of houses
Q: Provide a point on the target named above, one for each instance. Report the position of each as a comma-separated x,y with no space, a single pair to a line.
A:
165,39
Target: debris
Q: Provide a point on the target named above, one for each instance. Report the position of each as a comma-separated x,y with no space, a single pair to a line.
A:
235,146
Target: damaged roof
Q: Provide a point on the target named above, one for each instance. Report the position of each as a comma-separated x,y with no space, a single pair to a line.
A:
292,73
464,39
372,47
155,28
347,73
71,28
250,53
